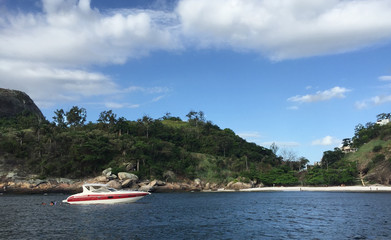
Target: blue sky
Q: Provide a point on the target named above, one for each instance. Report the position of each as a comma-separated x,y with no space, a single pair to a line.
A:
300,73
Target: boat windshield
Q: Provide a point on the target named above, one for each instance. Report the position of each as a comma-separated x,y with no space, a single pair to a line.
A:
100,189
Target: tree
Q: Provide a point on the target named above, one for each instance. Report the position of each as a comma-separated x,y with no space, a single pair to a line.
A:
59,118
121,125
303,162
274,148
167,116
382,116
331,157
76,116
346,142
107,117
195,117
146,122
288,155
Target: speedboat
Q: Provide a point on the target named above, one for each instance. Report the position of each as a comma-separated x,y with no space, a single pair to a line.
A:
95,193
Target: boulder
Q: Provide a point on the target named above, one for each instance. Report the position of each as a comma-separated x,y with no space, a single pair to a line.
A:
147,187
128,183
126,175
107,172
197,182
14,103
169,175
170,187
238,185
11,175
114,184
65,180
130,166
100,179
112,176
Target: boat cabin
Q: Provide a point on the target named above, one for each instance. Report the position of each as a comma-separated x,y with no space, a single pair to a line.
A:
97,188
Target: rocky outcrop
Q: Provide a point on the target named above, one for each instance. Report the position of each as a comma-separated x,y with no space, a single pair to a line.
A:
11,182
235,185
14,103
127,176
60,185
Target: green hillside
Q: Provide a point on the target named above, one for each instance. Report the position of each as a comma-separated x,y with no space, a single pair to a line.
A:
151,148
170,148
367,154
373,155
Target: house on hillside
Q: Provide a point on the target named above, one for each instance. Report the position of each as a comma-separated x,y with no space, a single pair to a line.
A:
348,149
382,122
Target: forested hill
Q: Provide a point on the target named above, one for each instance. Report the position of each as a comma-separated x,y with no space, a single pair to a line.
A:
365,157
169,148
162,148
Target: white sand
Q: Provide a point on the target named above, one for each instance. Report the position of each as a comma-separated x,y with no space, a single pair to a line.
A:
374,188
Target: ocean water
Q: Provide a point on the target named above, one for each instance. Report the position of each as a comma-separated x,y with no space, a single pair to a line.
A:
238,215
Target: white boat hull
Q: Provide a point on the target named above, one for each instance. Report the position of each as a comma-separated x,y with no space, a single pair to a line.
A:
105,201
101,194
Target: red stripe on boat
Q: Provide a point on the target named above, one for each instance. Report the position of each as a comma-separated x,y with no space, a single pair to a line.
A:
104,197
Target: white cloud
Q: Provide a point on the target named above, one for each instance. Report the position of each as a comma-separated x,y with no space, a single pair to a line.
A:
385,78
327,141
48,84
293,108
114,105
249,135
286,29
335,92
374,101
281,144
158,98
67,34
58,47
48,54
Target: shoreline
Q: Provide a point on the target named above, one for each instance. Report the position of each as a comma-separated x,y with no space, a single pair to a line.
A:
373,188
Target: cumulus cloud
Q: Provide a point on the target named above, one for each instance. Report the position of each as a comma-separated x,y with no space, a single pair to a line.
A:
286,29
250,135
55,49
385,78
114,105
327,141
293,108
374,101
70,34
66,39
281,144
335,92
48,84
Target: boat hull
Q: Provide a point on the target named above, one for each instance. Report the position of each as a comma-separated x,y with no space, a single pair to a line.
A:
105,198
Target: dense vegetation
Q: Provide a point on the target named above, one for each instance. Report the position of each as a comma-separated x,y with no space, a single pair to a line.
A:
153,148
169,148
369,158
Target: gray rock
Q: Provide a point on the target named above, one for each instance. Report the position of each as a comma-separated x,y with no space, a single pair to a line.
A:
11,175
114,184
14,103
64,180
169,175
127,183
107,172
126,175
197,182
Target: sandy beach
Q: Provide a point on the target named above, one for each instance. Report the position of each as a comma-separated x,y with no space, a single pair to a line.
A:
374,188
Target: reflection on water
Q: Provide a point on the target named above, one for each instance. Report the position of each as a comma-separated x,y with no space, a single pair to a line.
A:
262,215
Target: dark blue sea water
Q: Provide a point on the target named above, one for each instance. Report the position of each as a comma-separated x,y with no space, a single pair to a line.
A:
259,215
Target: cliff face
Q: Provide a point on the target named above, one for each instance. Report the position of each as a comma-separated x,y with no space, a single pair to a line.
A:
14,102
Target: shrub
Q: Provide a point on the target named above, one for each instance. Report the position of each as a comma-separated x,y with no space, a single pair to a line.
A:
378,158
377,148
